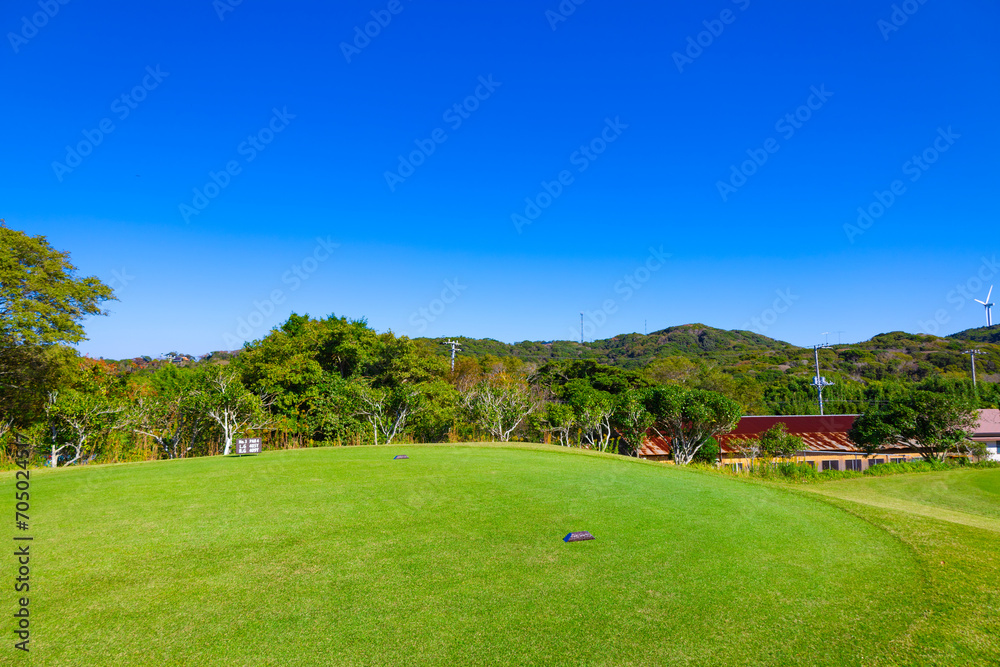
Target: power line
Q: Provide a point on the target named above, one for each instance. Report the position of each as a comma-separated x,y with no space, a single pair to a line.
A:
454,348
972,357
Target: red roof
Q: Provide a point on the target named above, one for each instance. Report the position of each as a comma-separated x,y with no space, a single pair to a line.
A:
819,434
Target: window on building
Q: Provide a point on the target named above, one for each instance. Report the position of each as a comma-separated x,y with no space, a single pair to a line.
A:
853,464
874,462
901,459
832,464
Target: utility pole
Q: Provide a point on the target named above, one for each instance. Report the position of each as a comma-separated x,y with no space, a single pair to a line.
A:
972,357
819,381
454,348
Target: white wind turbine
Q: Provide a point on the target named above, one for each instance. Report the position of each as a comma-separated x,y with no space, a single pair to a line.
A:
989,306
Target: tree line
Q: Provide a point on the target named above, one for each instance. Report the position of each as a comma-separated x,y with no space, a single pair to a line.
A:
330,381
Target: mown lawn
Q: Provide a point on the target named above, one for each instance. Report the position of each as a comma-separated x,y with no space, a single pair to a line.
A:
455,556
971,491
951,522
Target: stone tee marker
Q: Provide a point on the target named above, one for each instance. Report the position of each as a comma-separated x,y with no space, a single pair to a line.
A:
578,537
248,446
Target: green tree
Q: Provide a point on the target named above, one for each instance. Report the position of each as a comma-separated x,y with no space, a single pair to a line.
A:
557,419
499,403
436,418
94,404
387,409
933,423
778,443
42,300
76,417
631,420
592,410
687,418
774,443
42,304
166,409
235,410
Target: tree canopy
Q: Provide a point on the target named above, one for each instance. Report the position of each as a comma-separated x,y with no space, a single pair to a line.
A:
934,423
42,300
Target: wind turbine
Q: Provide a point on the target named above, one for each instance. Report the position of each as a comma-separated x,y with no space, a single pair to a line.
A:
989,306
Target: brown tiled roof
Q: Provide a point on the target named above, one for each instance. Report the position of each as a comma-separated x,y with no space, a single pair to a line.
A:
819,434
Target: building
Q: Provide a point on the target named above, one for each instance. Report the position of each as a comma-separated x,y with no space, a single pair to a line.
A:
826,445
988,432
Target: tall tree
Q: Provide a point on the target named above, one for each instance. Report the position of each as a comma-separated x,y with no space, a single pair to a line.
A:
76,417
387,410
499,403
169,420
687,418
42,304
558,420
234,408
631,420
933,423
42,300
592,410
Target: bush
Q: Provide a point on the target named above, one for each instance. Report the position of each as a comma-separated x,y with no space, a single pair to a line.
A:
886,469
709,452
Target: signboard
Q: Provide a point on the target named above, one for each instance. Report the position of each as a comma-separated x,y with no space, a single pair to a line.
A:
401,456
249,446
578,537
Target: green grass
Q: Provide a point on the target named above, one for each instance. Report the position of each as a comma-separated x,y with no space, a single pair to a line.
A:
975,493
345,556
950,521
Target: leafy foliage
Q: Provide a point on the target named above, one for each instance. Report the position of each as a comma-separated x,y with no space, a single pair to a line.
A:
42,301
687,418
933,422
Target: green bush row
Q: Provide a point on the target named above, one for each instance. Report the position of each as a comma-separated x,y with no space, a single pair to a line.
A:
803,472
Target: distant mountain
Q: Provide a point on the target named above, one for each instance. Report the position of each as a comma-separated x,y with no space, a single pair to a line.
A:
893,354
694,341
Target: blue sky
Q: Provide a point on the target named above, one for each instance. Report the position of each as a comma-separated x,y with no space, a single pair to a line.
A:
643,110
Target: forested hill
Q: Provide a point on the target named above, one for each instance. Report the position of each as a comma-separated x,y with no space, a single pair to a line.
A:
896,354
980,335
626,350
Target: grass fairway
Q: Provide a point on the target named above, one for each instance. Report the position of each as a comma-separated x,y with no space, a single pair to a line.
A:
951,521
943,495
455,556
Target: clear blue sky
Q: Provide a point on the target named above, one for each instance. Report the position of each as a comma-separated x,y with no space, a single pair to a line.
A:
662,120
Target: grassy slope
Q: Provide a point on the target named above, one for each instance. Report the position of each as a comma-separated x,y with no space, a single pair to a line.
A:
971,497
346,556
951,521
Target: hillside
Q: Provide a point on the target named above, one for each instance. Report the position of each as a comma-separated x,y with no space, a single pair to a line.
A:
979,335
694,341
896,354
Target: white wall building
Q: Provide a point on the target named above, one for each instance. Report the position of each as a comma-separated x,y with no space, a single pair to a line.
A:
988,432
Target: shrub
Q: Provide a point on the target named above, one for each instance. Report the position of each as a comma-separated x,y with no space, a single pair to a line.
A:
709,452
